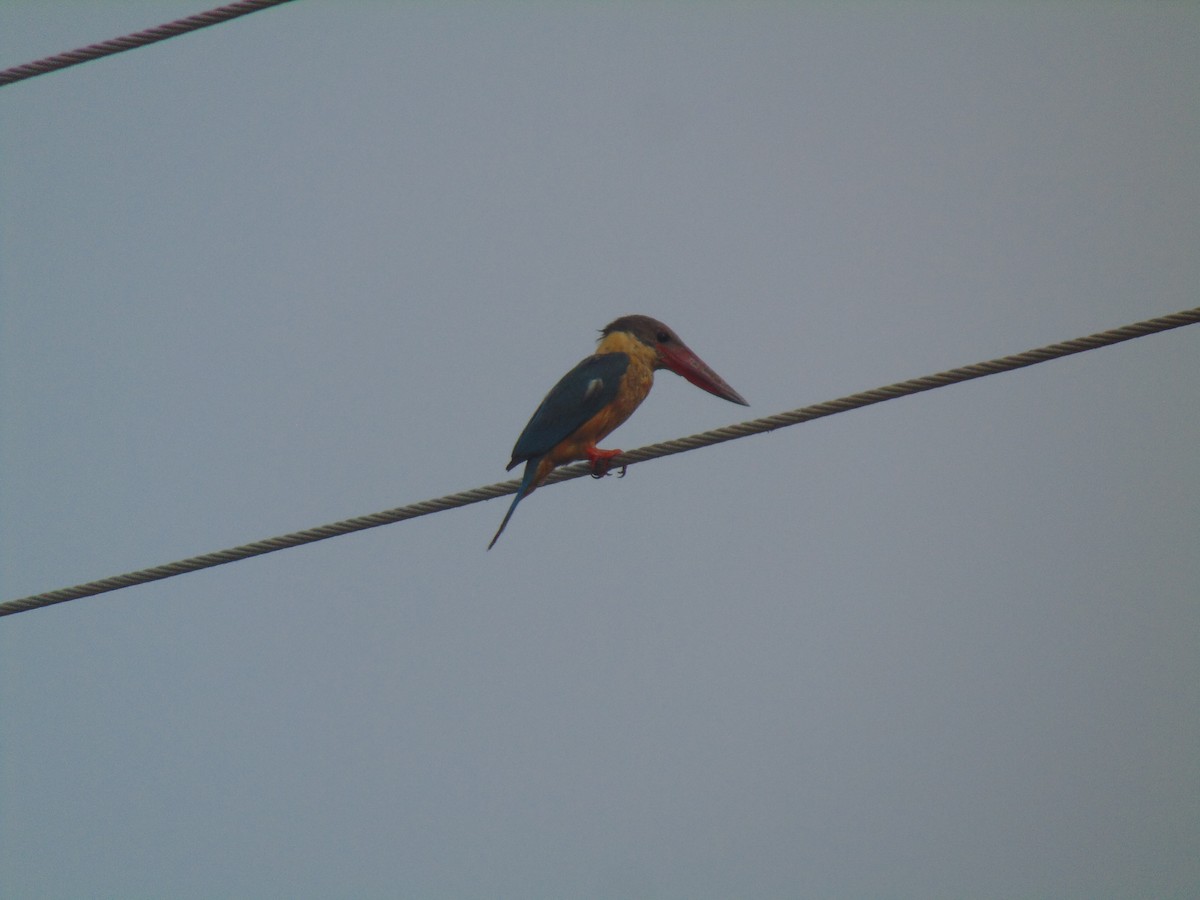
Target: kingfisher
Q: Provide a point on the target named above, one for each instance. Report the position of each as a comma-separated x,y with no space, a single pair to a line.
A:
598,395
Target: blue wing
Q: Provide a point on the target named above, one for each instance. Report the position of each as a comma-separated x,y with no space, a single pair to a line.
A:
581,393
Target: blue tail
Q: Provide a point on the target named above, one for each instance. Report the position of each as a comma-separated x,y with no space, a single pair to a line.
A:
526,486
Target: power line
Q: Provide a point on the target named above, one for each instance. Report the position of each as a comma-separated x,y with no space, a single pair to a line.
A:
577,470
137,39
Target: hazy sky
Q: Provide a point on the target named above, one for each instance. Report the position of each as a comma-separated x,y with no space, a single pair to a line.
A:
326,259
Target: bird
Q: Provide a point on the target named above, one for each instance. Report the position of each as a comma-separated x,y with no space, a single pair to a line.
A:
599,394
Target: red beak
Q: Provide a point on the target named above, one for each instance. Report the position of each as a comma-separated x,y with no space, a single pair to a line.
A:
679,358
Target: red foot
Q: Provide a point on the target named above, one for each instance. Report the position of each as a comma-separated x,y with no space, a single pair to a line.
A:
601,460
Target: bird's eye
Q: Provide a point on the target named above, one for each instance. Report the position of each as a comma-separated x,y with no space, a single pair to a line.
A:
663,337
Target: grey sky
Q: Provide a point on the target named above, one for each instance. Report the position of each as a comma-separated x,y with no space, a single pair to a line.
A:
326,260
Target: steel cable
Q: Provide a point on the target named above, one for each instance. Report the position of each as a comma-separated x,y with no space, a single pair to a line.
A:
132,41
643,454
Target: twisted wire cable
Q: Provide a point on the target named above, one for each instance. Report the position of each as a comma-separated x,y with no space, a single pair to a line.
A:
632,457
137,39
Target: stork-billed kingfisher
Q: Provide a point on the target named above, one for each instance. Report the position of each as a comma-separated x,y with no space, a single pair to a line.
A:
599,394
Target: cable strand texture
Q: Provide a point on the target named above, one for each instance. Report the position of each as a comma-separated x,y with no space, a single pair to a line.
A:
632,457
137,39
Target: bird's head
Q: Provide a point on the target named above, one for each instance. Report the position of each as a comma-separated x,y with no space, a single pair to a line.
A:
672,353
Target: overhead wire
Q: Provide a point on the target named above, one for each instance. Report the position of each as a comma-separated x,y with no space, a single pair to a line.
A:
137,39
632,457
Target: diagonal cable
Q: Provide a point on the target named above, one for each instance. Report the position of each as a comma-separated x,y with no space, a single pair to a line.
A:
642,454
137,39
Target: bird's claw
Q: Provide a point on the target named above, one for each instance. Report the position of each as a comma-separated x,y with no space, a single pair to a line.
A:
600,468
601,461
